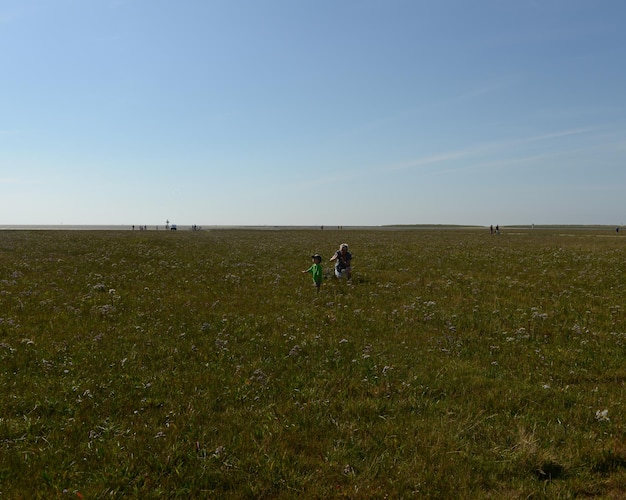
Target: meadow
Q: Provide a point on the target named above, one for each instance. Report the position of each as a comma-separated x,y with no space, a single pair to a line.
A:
203,364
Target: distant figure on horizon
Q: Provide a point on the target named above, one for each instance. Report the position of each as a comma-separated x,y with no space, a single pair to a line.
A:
343,262
491,229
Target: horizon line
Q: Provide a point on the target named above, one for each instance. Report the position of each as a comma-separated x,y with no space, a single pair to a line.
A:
318,227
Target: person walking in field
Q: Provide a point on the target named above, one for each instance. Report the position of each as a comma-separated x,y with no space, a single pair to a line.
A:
343,262
316,270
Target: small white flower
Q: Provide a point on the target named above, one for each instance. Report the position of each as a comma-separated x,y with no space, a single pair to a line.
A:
602,415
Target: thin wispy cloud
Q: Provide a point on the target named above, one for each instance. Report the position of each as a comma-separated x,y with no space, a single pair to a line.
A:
509,163
552,135
462,154
437,158
407,113
485,148
478,92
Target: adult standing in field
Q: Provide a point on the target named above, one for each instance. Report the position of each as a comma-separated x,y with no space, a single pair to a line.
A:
343,262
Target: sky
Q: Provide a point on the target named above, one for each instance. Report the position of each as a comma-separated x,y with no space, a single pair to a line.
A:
325,112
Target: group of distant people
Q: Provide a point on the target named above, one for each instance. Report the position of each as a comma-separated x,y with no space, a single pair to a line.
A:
173,227
343,265
496,230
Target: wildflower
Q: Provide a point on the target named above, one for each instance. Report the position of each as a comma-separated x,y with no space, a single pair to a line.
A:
602,415
258,376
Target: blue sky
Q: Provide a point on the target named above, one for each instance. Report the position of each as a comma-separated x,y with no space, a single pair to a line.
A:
281,112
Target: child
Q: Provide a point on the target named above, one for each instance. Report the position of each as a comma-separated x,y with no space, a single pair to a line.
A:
316,270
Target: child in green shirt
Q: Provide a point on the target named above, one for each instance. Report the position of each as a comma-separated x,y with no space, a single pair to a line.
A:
316,270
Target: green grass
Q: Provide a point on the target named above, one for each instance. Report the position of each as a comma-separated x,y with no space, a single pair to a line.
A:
204,364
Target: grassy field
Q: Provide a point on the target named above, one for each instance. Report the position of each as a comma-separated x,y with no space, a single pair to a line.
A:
204,364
